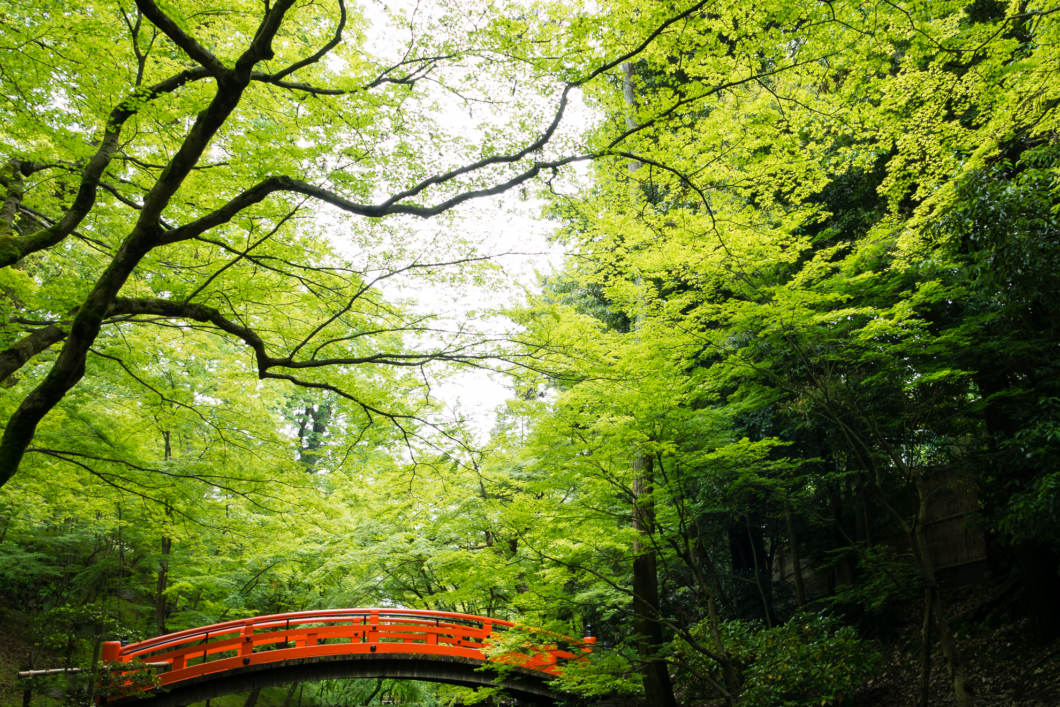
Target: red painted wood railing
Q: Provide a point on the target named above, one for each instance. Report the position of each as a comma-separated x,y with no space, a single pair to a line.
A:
307,634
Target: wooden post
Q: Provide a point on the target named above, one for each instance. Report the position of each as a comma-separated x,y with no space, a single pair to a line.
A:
111,651
179,662
373,627
246,648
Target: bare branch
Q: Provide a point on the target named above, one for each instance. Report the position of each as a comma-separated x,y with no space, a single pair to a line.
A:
242,255
423,67
213,480
271,185
197,312
182,39
161,396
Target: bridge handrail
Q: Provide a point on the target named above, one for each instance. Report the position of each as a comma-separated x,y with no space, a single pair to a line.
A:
237,643
310,616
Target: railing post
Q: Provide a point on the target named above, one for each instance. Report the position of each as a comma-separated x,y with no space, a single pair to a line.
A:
178,662
373,629
246,648
110,651
432,636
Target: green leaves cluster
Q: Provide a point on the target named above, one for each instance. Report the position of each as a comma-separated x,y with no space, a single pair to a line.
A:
816,286
812,659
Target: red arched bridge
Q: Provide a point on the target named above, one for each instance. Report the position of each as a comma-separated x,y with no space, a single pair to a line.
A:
199,663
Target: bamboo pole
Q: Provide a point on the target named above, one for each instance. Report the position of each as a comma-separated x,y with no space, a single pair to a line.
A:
110,666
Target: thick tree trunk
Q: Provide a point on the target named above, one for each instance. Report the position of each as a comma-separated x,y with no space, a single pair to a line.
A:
657,686
950,650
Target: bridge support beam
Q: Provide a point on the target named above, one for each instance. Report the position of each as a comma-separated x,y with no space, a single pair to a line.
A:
523,684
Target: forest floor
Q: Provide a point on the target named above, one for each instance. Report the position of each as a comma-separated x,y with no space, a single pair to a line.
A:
1006,667
13,651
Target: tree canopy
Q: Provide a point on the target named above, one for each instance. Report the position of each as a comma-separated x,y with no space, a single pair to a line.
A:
797,374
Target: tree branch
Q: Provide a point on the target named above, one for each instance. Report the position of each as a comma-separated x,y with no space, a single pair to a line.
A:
182,39
16,355
13,249
318,55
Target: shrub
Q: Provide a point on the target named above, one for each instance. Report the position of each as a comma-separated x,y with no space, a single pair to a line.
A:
813,659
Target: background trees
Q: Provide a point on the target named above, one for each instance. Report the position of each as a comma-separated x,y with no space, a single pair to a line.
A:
784,261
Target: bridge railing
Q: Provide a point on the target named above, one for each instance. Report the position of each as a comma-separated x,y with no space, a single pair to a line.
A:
307,634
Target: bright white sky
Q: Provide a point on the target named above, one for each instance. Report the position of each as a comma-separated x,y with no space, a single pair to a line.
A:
508,225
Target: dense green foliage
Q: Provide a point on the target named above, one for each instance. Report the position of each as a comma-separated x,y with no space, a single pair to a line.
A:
802,364
812,659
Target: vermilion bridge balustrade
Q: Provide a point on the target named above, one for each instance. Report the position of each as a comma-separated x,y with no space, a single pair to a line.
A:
306,635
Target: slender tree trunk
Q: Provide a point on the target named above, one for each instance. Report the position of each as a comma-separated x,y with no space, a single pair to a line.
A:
290,694
728,670
162,583
925,652
70,678
166,545
94,677
252,697
657,686
27,692
958,675
707,582
796,559
378,687
842,571
311,429
767,609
